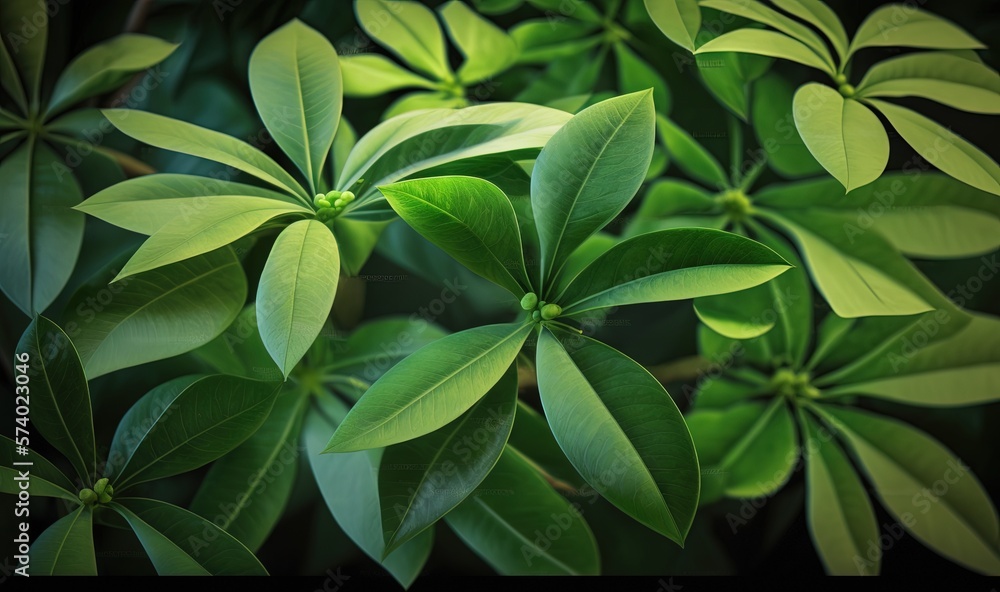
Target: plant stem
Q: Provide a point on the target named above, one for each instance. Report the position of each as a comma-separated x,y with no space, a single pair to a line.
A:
735,148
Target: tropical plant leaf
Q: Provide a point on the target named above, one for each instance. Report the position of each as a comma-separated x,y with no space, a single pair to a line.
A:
67,547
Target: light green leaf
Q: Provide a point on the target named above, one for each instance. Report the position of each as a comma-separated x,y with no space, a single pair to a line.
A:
690,156
179,136
635,74
542,40
840,515
296,86
67,547
728,76
488,50
821,16
430,388
371,75
46,479
766,43
59,395
25,27
669,197
184,424
948,79
588,172
679,20
422,480
40,233
902,25
672,264
470,219
621,430
245,491
942,232
930,491
296,290
842,134
773,121
105,67
181,543
421,100
943,148
343,143
726,315
157,314
409,30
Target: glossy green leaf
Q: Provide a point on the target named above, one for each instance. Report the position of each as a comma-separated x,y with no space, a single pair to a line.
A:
902,25
470,219
41,233
765,43
542,40
842,134
943,148
67,547
924,486
184,424
106,66
671,265
410,30
296,290
773,121
422,480
728,76
532,433
157,314
26,29
377,345
938,76
488,50
840,515
717,393
726,314
635,74
506,524
669,197
621,430
821,16
430,388
690,156
179,136
588,172
146,204
296,85
370,75
245,491
59,395
240,351
11,80
679,20
419,100
46,479
181,543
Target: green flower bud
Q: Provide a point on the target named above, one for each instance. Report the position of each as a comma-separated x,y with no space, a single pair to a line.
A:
840,79
551,311
536,316
530,301
88,497
846,90
323,203
332,195
339,203
316,199
104,498
347,196
101,485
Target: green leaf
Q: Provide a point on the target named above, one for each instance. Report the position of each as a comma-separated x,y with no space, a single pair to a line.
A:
377,345
840,515
938,76
409,30
418,100
10,80
943,148
245,491
46,479
371,75
728,76
422,480
470,219
717,393
157,314
532,433
506,523
543,40
218,222
901,25
635,74
186,138
67,547
672,264
146,204
41,233
240,351
106,66
679,20
773,121
430,388
690,156
296,290
726,314
844,135
296,86
181,543
186,423
822,17
343,143
669,197
26,28
621,430
488,50
60,397
766,43
930,491
349,485
588,172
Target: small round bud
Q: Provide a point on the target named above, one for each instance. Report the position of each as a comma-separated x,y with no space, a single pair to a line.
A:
101,485
323,203
530,301
88,497
840,79
347,196
551,311
339,203
332,195
104,498
318,197
846,90
536,316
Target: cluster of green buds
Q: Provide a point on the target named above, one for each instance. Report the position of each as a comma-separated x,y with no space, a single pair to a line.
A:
789,383
539,309
100,494
846,90
735,203
329,206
